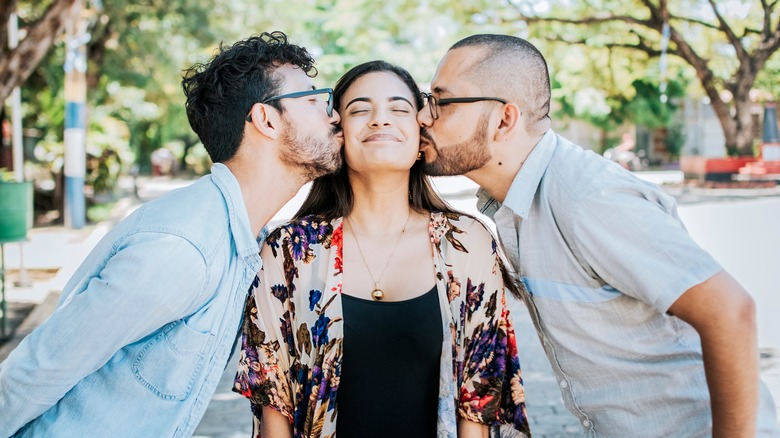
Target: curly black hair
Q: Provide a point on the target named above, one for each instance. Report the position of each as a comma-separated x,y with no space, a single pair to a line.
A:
221,92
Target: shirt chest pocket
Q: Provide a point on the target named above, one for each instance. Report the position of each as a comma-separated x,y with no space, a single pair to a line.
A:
170,362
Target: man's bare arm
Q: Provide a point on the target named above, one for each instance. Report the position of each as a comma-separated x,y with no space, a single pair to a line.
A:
724,315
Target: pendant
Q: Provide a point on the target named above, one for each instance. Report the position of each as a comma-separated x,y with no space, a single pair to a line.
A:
377,294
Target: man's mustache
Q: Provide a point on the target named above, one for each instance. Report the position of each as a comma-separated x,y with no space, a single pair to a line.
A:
424,134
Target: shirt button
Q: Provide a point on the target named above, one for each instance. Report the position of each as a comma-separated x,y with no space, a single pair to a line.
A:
586,423
564,384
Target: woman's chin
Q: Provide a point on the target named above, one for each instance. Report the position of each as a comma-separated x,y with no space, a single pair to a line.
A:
389,166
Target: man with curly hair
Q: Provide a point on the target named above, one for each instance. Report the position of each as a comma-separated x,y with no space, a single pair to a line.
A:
146,325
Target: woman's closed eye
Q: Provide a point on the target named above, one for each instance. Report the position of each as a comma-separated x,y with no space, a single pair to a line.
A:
398,109
401,110
359,111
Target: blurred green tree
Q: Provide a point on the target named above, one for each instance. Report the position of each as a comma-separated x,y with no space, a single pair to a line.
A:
50,20
726,44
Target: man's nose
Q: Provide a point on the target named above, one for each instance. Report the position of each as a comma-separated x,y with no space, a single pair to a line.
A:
335,118
424,118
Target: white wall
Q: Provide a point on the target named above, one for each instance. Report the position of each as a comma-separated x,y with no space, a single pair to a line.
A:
703,133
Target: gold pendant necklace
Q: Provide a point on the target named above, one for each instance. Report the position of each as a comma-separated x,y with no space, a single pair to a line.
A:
378,294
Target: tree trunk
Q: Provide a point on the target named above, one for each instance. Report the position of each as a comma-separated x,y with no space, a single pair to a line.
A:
96,51
6,8
743,129
19,63
727,124
743,119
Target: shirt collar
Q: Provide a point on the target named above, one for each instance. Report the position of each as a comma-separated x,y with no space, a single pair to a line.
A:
246,243
523,189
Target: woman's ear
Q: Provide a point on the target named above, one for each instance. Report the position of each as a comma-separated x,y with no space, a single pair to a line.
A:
510,121
266,121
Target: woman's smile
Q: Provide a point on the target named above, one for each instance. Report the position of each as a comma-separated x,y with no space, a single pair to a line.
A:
381,136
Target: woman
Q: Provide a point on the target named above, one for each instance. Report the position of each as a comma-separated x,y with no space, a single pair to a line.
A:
380,312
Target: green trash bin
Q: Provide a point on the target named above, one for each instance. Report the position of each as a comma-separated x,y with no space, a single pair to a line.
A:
15,210
15,221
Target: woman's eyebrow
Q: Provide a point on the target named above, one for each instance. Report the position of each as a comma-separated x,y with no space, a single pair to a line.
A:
389,99
357,99
397,98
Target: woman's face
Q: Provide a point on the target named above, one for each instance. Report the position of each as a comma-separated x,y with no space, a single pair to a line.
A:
378,118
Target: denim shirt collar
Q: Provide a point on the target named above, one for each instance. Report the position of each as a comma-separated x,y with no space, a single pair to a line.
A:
247,245
523,189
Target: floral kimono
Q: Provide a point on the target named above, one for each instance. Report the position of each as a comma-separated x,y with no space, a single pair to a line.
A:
293,329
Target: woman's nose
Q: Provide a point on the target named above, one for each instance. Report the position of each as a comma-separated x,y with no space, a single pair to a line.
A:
380,118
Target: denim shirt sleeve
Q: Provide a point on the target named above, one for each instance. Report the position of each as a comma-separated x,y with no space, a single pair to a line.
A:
150,279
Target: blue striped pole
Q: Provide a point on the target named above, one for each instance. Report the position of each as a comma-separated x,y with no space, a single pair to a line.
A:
75,129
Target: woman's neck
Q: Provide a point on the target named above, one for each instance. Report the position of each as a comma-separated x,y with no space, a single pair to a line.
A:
381,204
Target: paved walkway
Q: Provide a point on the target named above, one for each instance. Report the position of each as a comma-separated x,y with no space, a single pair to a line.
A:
59,250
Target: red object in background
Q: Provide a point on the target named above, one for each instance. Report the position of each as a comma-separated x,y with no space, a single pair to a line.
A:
712,169
6,152
768,166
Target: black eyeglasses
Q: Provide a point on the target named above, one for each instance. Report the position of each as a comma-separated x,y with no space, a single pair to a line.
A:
434,103
297,94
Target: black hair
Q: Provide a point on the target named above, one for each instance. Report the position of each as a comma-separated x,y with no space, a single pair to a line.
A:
221,92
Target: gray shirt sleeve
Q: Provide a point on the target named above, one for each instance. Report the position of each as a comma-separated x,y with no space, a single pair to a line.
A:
633,240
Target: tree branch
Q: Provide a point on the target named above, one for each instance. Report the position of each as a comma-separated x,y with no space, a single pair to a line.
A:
588,20
640,46
6,9
724,26
767,7
695,21
770,42
17,66
660,15
655,12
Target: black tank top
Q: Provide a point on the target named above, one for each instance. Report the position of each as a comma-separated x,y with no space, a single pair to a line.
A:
389,383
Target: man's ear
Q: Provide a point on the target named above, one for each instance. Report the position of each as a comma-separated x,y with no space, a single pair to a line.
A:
511,119
266,120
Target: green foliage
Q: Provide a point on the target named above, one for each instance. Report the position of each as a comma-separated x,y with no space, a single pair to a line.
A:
648,108
100,212
140,47
675,138
6,175
136,55
768,81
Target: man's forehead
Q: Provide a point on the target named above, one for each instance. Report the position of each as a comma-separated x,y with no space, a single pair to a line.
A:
294,78
451,76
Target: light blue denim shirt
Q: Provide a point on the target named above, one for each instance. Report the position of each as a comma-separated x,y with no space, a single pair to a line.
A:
145,326
603,255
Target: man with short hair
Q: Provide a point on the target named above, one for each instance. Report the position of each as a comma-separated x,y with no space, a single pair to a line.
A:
646,333
146,325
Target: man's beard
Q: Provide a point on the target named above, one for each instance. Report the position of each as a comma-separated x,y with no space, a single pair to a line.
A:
313,156
462,157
